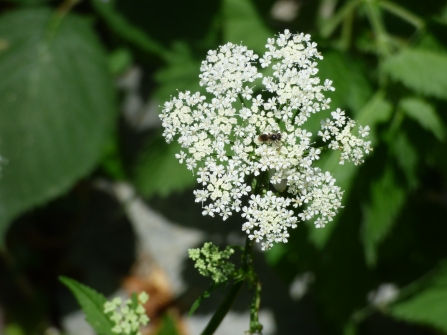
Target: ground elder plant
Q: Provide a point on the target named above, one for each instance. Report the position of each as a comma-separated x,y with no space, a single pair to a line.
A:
252,154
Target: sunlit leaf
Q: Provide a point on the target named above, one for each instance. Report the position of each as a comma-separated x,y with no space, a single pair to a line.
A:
424,114
420,70
56,107
92,304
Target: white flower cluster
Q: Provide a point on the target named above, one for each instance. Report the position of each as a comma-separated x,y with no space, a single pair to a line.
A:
127,317
241,145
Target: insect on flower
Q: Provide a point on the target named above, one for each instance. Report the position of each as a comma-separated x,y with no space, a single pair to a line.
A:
270,138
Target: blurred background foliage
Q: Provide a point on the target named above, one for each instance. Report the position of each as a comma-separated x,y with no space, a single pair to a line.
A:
81,82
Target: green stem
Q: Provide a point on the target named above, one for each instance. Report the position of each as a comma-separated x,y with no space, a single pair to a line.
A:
403,14
66,7
246,256
329,25
59,15
255,326
374,16
127,31
225,306
241,99
346,32
398,117
223,309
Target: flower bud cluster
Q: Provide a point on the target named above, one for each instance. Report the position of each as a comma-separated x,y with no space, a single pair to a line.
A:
213,263
236,136
127,316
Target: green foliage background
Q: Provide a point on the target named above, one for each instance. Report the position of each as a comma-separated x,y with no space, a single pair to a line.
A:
60,130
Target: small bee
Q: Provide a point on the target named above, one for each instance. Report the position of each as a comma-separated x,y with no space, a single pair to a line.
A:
270,138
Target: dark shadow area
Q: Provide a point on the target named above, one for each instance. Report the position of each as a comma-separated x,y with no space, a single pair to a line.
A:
83,235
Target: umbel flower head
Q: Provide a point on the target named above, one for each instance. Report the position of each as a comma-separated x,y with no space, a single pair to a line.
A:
236,141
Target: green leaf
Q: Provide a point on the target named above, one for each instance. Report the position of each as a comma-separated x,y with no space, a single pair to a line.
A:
344,175
242,24
428,306
352,88
180,74
120,26
387,199
424,114
376,111
159,172
407,158
56,107
420,70
92,303
276,254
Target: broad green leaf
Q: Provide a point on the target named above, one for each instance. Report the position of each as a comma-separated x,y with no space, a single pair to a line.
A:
92,303
120,26
274,255
407,157
376,111
56,107
159,172
424,114
352,88
420,70
428,306
387,199
344,174
243,24
180,74
335,67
